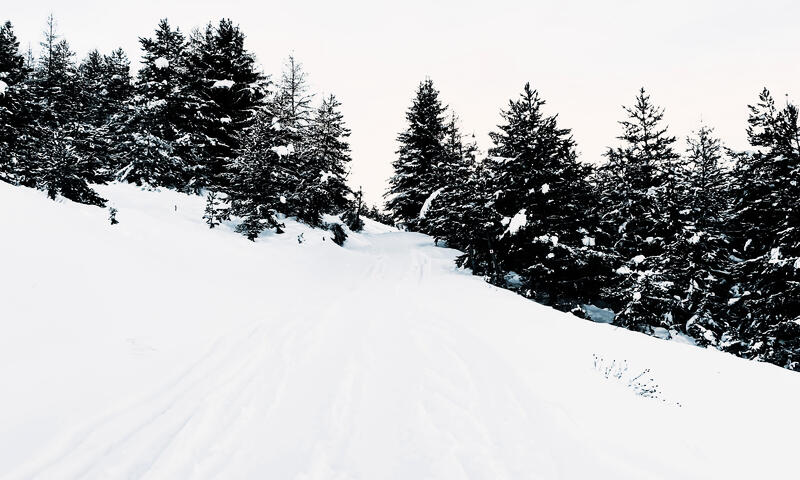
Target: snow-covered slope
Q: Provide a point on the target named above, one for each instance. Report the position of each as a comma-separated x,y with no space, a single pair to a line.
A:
158,348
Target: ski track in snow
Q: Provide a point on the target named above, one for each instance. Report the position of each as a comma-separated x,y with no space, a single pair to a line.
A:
379,360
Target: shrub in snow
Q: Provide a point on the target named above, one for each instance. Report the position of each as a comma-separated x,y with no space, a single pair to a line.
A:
339,235
112,216
641,383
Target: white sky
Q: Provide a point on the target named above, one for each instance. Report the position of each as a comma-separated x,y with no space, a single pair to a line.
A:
699,59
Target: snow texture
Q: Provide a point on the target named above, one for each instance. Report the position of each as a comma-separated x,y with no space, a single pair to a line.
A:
426,206
3,88
283,150
161,63
517,221
158,348
223,84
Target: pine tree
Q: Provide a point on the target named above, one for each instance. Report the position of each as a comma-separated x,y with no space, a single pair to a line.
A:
16,112
292,102
476,225
64,172
104,86
226,91
543,194
325,158
155,141
701,268
443,217
765,306
417,167
214,213
262,176
640,218
55,80
64,163
353,216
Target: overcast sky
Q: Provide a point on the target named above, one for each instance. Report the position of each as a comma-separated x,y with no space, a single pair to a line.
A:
699,59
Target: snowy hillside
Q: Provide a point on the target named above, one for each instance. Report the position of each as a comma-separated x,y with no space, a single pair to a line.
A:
157,348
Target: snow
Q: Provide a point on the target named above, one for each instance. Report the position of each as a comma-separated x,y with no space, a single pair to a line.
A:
223,84
326,176
3,88
597,314
517,221
283,150
426,205
545,188
161,63
158,348
638,259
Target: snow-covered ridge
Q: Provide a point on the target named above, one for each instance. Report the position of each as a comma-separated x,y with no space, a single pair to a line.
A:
157,348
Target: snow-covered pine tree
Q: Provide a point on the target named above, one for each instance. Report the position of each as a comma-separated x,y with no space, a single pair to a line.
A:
476,225
543,195
263,175
442,214
765,306
64,166
226,90
215,212
353,216
638,218
117,83
325,160
16,112
105,86
154,147
63,171
416,169
55,81
290,106
292,102
700,265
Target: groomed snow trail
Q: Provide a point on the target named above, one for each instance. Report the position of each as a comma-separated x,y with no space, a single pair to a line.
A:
160,349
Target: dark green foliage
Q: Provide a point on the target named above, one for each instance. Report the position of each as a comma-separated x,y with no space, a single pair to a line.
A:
416,169
225,91
17,108
62,171
262,176
542,193
339,235
640,217
326,157
112,216
352,217
215,212
765,303
154,144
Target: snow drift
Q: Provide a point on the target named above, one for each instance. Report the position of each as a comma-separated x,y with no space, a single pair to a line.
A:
157,348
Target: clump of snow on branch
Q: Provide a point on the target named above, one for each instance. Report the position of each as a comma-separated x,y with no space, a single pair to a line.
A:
428,202
283,150
161,63
223,84
516,222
